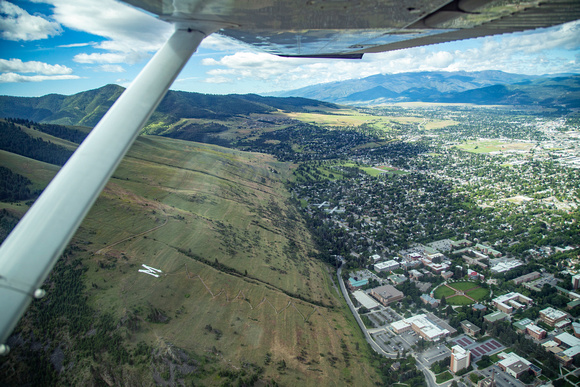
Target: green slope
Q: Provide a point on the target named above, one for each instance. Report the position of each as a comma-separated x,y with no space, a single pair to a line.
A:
87,108
239,299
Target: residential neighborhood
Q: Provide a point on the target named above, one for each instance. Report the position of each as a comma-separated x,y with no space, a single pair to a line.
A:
466,261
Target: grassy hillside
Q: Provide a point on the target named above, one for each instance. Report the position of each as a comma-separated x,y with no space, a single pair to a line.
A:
239,298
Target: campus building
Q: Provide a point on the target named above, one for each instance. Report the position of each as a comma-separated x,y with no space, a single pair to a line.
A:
513,364
469,328
387,265
426,326
460,359
552,316
386,294
576,281
508,302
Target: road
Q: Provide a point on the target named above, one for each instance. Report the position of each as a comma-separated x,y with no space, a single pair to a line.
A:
429,377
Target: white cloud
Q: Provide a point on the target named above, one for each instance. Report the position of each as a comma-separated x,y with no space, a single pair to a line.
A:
73,45
110,57
534,52
111,68
131,34
18,66
18,78
17,24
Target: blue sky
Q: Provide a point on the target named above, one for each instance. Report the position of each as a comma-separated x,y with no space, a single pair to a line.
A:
68,46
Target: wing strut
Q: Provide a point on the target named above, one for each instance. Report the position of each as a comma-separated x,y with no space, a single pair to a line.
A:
36,243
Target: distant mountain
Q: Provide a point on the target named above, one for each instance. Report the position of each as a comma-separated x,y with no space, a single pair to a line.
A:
482,87
87,108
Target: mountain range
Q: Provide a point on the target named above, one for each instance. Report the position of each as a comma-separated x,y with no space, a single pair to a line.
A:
481,88
86,108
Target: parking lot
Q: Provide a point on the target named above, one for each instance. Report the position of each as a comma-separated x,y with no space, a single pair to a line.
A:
488,347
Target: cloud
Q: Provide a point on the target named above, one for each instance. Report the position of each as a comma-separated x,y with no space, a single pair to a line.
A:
535,52
18,78
18,66
111,57
131,35
73,45
17,24
111,68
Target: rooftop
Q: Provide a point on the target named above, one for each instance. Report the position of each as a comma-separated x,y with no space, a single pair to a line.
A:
553,314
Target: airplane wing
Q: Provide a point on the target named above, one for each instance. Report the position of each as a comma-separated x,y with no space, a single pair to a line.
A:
349,28
303,28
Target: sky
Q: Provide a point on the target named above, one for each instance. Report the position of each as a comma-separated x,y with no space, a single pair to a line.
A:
68,46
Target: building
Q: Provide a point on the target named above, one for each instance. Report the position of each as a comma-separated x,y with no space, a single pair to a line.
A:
569,347
505,266
460,359
428,300
508,302
477,306
521,325
376,258
354,284
487,250
513,364
535,331
469,328
401,326
415,274
426,326
387,266
526,278
386,294
495,316
552,316
576,329
397,279
576,281
365,300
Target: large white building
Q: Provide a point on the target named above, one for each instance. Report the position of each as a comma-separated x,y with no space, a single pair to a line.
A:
460,358
421,324
387,265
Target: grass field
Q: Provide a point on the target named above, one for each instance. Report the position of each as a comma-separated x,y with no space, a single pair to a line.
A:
353,118
463,286
479,293
487,146
234,255
443,377
443,291
459,300
476,293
